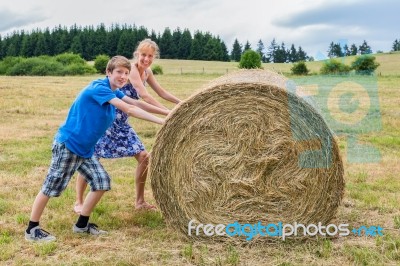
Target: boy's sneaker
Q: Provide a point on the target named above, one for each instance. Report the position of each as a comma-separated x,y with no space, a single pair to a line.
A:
37,234
90,229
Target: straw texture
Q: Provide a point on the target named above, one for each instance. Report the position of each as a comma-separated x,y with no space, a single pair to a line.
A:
245,149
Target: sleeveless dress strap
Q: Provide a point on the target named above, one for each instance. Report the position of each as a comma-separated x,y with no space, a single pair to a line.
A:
145,77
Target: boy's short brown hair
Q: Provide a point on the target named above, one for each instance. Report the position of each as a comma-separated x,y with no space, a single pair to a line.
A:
118,61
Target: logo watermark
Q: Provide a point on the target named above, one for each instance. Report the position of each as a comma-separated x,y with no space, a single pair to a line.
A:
280,230
349,105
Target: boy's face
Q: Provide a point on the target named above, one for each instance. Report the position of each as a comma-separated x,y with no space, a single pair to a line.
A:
118,77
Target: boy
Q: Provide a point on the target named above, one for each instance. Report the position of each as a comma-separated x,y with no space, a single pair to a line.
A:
90,115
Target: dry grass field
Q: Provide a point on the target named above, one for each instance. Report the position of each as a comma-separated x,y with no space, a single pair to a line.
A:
32,108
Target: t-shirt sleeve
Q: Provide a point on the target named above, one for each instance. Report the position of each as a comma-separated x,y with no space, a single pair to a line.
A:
119,94
103,95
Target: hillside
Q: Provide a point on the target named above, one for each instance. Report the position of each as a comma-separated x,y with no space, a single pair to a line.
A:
389,65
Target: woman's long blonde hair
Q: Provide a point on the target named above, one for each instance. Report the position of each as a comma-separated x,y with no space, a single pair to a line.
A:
144,44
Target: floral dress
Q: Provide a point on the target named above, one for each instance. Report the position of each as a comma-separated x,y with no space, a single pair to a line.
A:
120,140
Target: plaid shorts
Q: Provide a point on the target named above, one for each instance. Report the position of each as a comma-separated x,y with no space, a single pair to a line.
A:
64,164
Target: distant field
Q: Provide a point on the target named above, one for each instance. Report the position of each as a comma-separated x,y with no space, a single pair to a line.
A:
390,65
31,110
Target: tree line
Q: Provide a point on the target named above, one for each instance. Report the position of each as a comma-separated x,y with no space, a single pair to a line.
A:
273,54
91,41
338,50
396,45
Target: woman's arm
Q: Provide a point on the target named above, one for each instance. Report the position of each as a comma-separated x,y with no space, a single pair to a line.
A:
145,106
137,83
135,111
163,93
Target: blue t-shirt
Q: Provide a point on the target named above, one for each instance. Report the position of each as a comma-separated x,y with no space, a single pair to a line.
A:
89,117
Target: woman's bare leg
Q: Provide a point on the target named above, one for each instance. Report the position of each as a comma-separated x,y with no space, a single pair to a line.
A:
140,180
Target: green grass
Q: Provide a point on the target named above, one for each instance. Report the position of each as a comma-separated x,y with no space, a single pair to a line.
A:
32,108
388,65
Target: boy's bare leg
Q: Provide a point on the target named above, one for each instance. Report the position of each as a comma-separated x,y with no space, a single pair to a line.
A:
38,206
140,180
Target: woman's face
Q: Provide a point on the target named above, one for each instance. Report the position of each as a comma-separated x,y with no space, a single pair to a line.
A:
145,57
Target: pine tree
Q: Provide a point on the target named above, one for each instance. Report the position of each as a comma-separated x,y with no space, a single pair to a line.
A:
76,45
185,44
153,36
1,48
331,50
353,49
212,50
204,40
112,40
141,34
247,46
236,51
301,54
337,50
176,37
125,46
219,48
396,45
292,55
225,54
364,48
346,50
260,50
100,35
271,51
167,46
197,49
12,44
26,46
49,42
60,40
280,55
40,47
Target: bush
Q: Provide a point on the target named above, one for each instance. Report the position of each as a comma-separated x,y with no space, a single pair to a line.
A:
100,63
250,59
78,69
47,69
45,66
35,66
157,70
69,59
300,68
334,67
8,62
365,65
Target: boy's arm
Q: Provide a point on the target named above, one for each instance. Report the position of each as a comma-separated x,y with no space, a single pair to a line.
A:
145,106
135,111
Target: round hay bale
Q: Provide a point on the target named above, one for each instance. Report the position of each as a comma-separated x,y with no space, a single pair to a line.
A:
245,149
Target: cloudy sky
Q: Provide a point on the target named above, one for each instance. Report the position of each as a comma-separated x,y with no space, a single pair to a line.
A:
311,24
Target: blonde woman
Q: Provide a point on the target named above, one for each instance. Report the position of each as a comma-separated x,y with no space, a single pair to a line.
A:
120,140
